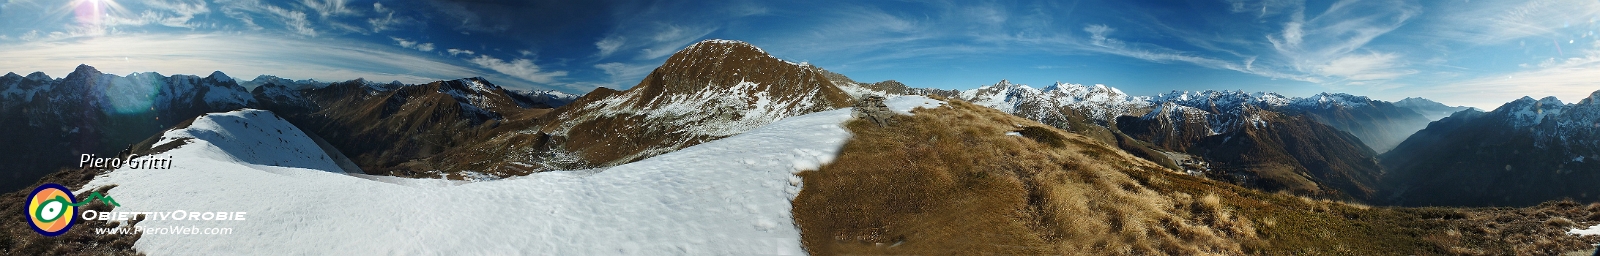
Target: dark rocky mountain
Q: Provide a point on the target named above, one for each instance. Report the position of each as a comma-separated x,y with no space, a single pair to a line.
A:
709,90
1086,110
396,130
1380,125
49,122
285,82
1246,142
1261,140
1524,152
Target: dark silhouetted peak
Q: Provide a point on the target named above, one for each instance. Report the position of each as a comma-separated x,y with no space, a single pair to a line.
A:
1418,102
38,76
83,72
85,68
220,77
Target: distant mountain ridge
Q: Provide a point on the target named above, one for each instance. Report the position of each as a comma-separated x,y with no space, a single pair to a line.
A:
1431,109
1310,145
1524,152
50,121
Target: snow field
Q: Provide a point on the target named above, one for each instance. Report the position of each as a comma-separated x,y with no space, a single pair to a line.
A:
725,197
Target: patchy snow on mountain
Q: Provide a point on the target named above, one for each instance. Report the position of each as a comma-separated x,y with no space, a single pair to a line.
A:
724,197
1591,231
1331,100
1099,102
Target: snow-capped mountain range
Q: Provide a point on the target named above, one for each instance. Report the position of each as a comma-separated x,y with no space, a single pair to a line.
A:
1381,126
1099,102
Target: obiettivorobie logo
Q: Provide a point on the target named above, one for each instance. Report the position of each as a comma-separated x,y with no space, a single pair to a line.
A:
51,207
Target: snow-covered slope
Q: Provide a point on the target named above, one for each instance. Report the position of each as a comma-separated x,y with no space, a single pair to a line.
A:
707,91
724,197
250,136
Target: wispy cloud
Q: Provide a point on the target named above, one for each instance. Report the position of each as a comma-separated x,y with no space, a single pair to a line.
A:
454,52
1569,79
420,46
1325,44
519,68
609,45
1499,21
1101,41
670,38
329,7
385,19
1364,67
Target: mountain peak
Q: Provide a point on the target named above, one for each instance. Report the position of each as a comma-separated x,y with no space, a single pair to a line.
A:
1526,111
38,76
220,77
722,46
85,68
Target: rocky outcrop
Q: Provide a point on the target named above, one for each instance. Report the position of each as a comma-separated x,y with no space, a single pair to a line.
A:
872,109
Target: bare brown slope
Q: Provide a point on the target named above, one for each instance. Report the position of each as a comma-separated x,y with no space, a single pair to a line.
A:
949,181
387,132
709,90
1276,152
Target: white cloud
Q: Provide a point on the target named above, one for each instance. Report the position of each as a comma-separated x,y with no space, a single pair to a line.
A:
1292,33
166,13
609,45
1323,46
420,46
247,11
1098,32
519,68
1363,67
30,36
525,53
387,22
454,52
1498,21
329,7
293,20
671,38
1100,41
1569,79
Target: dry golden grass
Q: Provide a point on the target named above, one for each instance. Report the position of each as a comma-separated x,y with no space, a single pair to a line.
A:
951,180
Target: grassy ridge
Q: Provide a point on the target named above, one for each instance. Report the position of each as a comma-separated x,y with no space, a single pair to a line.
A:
951,179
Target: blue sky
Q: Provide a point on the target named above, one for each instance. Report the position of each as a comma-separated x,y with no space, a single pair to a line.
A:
1476,53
